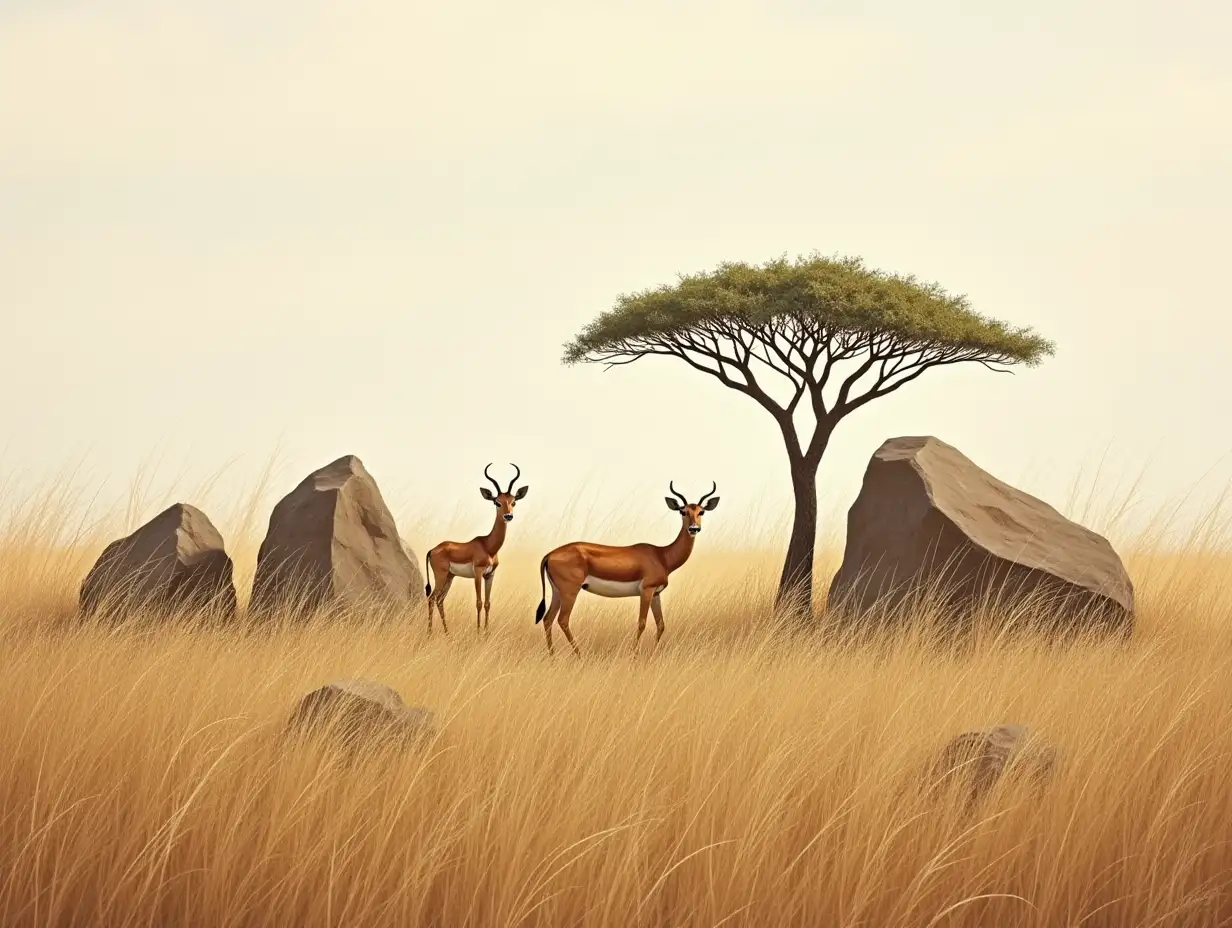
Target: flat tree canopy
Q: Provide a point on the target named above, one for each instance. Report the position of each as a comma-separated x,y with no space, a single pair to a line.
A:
829,329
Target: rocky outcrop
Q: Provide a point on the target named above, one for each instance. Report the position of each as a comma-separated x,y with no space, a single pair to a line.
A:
975,761
358,710
332,540
929,521
174,561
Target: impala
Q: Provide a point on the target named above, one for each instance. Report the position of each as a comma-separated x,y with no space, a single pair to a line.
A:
476,558
633,570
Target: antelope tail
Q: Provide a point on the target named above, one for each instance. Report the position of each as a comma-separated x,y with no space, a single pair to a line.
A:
428,574
543,587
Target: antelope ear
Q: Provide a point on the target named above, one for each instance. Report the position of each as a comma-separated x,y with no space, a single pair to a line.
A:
521,492
712,504
486,494
672,504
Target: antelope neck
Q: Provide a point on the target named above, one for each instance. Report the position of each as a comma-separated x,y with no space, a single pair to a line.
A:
679,550
494,539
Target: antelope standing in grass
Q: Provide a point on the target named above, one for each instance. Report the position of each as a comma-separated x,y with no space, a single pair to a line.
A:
639,570
476,558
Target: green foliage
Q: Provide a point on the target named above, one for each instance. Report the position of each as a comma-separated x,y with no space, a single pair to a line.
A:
825,299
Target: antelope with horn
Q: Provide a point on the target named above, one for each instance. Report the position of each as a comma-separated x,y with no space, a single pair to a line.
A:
476,558
639,570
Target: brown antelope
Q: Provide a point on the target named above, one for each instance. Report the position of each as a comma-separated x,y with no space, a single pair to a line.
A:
476,558
633,570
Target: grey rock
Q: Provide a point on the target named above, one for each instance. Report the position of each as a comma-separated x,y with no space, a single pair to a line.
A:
176,560
354,710
928,519
332,540
976,760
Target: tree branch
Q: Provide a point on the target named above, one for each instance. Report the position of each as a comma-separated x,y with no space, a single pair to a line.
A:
750,387
845,390
886,385
807,356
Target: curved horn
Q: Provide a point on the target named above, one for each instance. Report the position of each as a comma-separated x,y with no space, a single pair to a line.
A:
515,477
492,480
713,486
677,493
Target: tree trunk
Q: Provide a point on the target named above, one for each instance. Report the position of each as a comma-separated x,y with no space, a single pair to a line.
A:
796,582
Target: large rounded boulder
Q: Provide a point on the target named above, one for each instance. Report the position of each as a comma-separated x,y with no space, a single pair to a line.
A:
928,522
176,561
333,541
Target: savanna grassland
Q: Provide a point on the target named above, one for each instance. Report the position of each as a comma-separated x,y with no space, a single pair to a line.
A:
745,774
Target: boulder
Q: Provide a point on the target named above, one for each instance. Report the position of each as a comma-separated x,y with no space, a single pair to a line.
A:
355,709
928,520
176,560
332,540
976,760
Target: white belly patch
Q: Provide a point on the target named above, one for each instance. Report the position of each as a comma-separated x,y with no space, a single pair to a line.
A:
613,588
465,570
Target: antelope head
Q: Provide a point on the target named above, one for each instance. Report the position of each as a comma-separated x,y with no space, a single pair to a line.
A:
504,500
692,512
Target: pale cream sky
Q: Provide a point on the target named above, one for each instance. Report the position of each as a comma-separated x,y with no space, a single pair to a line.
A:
369,227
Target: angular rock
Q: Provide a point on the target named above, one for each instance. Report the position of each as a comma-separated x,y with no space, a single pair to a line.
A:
357,709
176,560
332,540
977,759
927,519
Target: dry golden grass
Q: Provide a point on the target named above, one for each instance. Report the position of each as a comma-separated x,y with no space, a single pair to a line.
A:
743,775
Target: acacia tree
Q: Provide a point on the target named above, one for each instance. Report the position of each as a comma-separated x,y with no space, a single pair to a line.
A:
810,340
